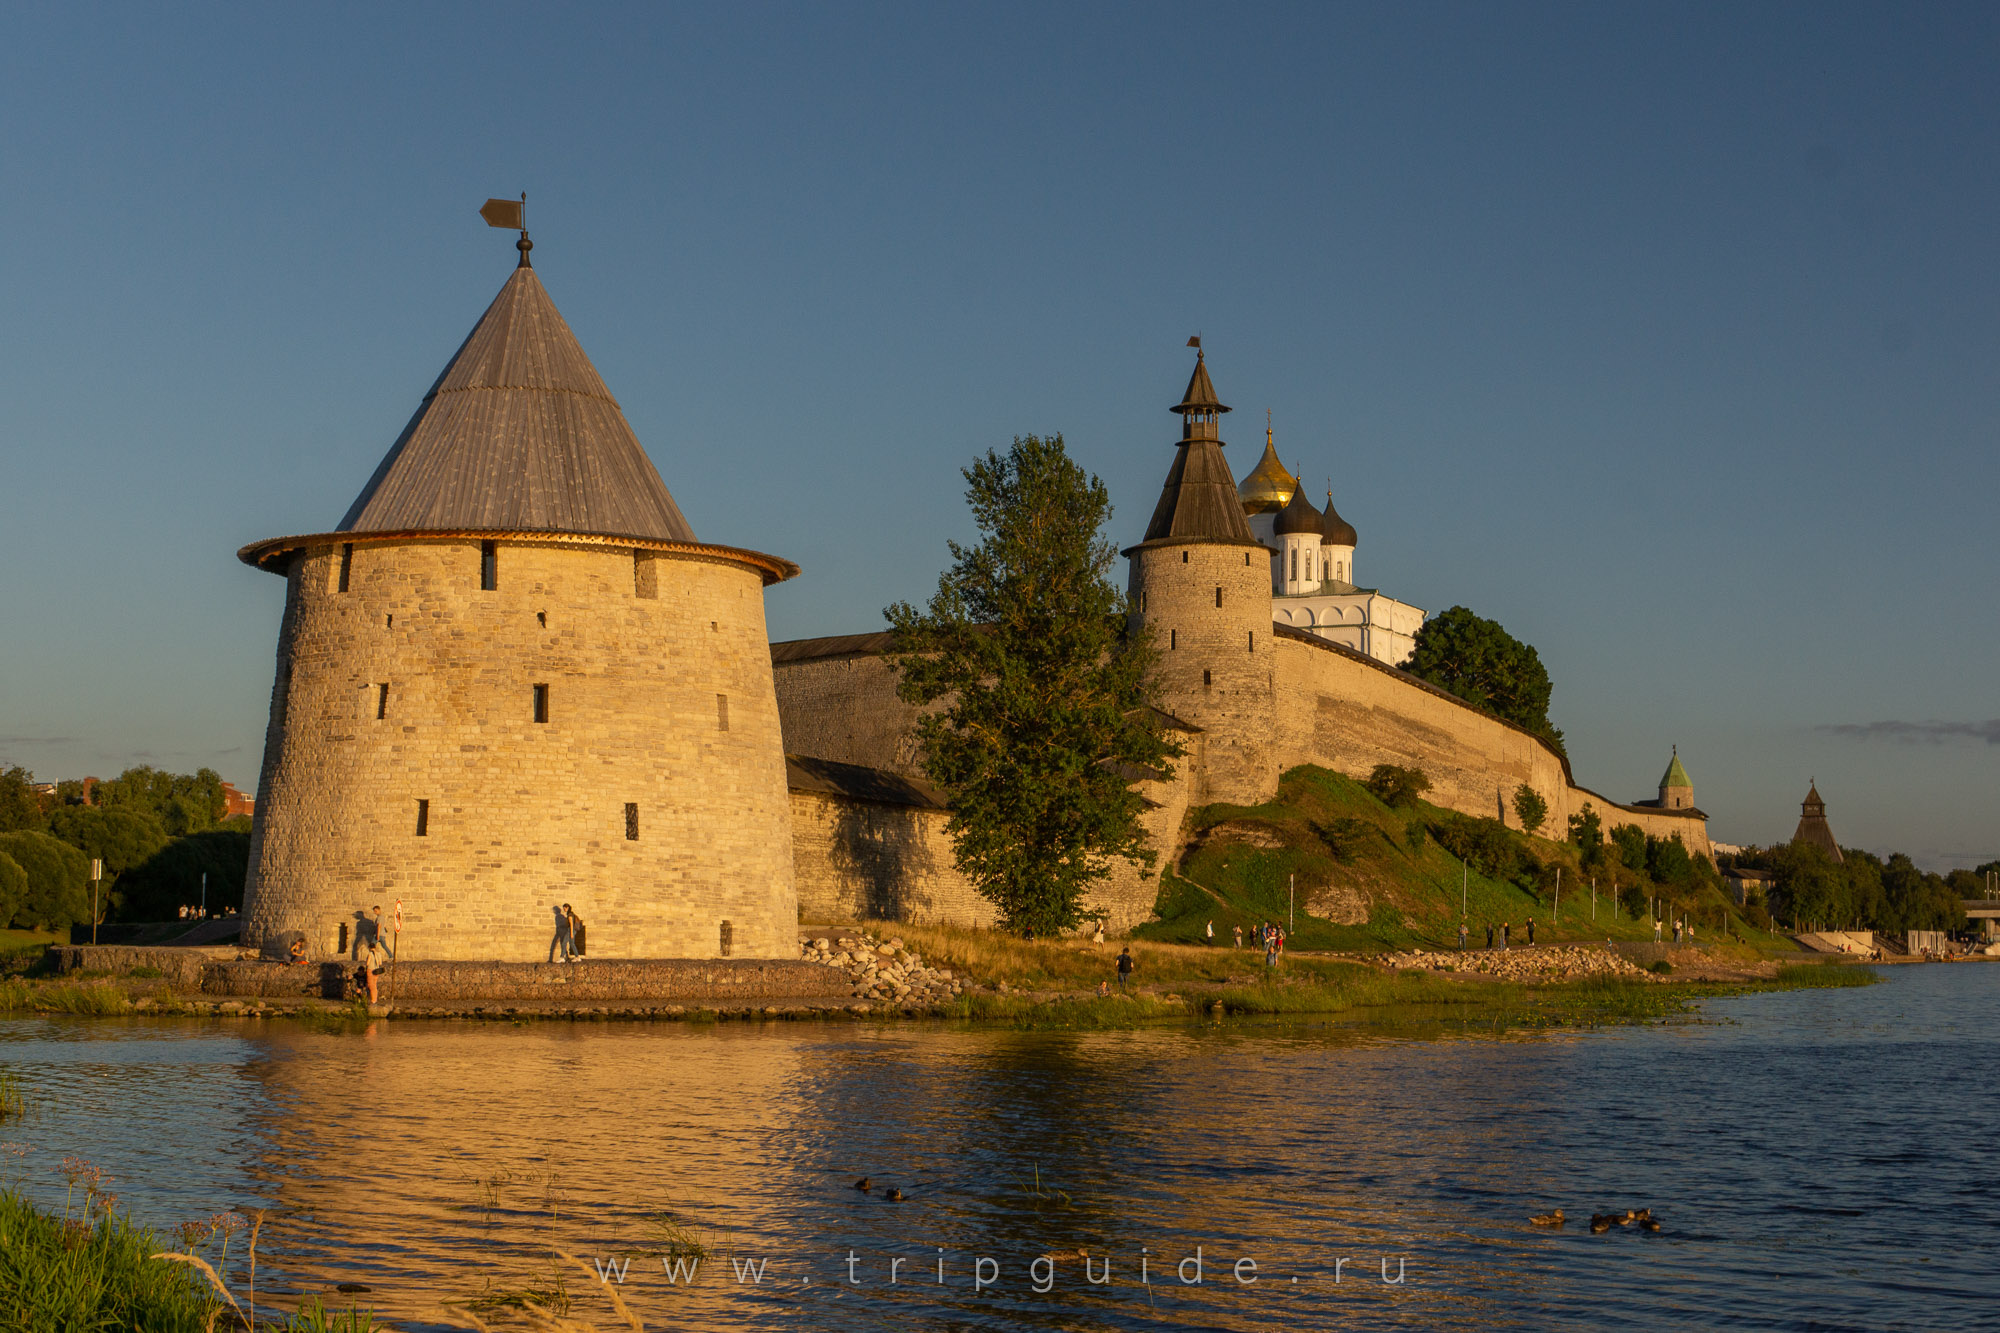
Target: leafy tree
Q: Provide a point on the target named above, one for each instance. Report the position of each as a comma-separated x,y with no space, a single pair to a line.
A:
1810,889
58,881
121,838
1586,831
182,802
1026,645
13,887
1481,663
1529,807
158,887
19,806
1483,844
1396,787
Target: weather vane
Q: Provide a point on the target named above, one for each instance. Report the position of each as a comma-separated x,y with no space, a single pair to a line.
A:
513,215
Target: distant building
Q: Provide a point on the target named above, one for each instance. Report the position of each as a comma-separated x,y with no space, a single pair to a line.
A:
235,803
1813,828
1749,886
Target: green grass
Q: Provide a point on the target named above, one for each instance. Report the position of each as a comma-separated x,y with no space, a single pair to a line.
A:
18,994
13,1099
1800,976
68,1275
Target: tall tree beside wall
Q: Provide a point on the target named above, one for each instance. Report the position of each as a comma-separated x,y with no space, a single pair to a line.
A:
1026,644
1480,662
57,893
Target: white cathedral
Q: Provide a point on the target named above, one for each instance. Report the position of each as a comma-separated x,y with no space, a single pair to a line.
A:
1312,568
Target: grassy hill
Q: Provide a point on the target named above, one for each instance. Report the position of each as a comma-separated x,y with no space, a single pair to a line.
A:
1369,876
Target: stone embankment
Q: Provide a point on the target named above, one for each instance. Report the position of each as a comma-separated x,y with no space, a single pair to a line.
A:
883,971
1549,962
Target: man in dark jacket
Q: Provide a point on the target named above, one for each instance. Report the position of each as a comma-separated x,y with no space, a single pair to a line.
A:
1125,966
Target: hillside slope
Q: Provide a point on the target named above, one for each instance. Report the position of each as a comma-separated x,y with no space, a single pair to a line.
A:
1368,876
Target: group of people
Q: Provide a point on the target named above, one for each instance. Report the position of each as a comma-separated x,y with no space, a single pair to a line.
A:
568,940
1505,933
1683,931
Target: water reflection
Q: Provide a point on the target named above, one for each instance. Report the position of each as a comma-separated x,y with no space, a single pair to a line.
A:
1805,1157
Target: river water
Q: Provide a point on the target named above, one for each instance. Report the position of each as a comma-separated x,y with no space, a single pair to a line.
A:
1817,1159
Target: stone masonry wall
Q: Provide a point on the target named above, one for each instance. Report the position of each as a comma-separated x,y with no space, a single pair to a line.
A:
664,701
868,861
846,709
1350,714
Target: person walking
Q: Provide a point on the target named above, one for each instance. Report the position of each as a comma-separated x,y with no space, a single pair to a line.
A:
1531,932
1461,936
1239,934
1505,929
1097,936
1125,966
563,942
575,930
1489,934
1656,931
1211,932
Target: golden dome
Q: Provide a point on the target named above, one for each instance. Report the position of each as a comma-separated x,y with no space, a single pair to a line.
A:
1269,487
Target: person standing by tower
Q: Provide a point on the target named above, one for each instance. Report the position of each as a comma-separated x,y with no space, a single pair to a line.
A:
563,942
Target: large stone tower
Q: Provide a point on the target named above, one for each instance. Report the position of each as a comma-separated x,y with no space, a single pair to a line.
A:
1202,582
513,678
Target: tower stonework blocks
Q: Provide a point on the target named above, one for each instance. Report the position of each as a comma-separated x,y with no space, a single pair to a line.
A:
514,679
1215,661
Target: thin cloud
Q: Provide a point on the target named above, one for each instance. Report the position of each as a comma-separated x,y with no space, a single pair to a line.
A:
1936,733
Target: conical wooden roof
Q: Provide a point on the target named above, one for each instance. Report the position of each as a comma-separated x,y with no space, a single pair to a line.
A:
1199,499
1813,828
519,434
1200,395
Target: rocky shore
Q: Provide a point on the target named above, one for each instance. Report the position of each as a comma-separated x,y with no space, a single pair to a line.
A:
1550,962
883,970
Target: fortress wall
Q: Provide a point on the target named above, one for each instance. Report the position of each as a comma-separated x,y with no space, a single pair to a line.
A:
845,709
523,814
1350,714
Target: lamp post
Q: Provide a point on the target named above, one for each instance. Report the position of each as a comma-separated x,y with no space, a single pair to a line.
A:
96,878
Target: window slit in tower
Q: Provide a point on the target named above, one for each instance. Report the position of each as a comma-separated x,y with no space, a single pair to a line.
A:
489,566
1253,640
541,703
631,821
381,701
1207,677
722,712
346,563
1184,557
728,939
423,819
1173,638
1218,594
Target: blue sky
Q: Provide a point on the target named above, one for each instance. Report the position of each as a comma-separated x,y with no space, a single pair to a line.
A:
1664,336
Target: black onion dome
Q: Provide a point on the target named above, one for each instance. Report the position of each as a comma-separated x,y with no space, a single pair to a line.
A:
1298,516
1337,530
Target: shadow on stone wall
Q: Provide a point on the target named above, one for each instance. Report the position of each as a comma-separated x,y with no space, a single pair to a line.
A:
879,850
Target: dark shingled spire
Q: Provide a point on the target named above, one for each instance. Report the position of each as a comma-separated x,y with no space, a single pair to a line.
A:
519,434
1298,515
1337,531
1199,499
1813,827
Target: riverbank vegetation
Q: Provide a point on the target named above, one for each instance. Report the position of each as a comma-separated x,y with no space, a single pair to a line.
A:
1861,890
91,1268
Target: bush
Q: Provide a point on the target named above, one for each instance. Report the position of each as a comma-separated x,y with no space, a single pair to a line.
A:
1399,788
13,887
1343,837
57,892
1529,807
1485,845
1415,835
1662,967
